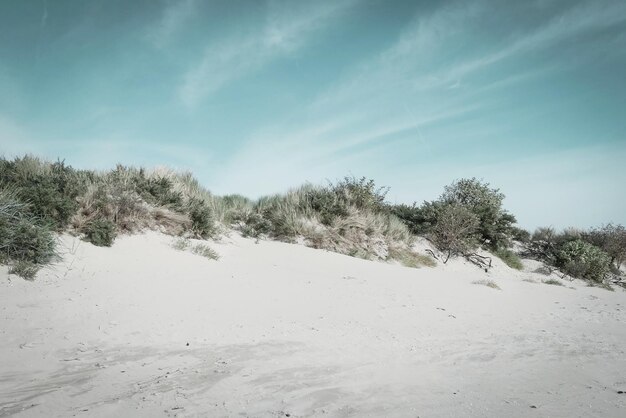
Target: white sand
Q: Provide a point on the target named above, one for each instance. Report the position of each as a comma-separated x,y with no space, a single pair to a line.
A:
277,329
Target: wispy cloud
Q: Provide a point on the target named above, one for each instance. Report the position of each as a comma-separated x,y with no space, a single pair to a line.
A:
286,30
405,93
173,18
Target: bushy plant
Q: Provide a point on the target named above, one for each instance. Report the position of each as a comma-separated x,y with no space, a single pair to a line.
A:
158,191
612,239
495,223
520,234
510,258
456,230
100,232
419,219
50,189
236,208
581,259
327,204
24,241
202,220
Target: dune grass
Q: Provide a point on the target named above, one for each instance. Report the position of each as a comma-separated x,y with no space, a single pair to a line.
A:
488,283
510,258
203,250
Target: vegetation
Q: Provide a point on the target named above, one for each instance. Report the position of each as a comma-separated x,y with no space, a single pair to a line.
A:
488,283
455,231
553,282
611,239
25,242
468,215
581,259
350,216
184,244
574,252
409,258
100,232
510,258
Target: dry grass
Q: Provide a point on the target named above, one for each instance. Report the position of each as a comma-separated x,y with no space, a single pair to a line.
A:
488,283
409,258
203,250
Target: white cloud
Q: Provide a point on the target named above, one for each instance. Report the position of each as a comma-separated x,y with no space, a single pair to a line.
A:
286,30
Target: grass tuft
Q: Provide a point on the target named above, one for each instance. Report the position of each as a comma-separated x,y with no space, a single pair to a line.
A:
553,282
24,269
184,244
488,283
409,258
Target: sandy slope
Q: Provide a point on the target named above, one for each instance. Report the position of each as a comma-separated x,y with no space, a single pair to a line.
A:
274,329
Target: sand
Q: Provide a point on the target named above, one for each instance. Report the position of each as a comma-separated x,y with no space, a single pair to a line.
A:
276,330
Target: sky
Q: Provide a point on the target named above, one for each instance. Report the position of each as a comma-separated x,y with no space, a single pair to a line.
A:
255,97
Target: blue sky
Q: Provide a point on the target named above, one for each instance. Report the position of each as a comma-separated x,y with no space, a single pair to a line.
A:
255,97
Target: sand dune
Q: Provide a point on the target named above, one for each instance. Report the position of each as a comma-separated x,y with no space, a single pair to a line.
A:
274,329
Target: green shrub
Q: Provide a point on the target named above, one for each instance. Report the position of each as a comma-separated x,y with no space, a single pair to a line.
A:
256,225
362,193
583,260
50,189
510,258
100,232
520,234
612,239
236,208
159,191
202,221
553,282
327,204
25,243
494,227
419,219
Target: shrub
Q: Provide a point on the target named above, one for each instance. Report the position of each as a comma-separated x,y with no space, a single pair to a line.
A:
327,204
495,223
456,231
50,189
520,234
510,258
553,282
419,219
236,208
583,260
612,239
256,225
202,221
100,232
24,241
158,191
